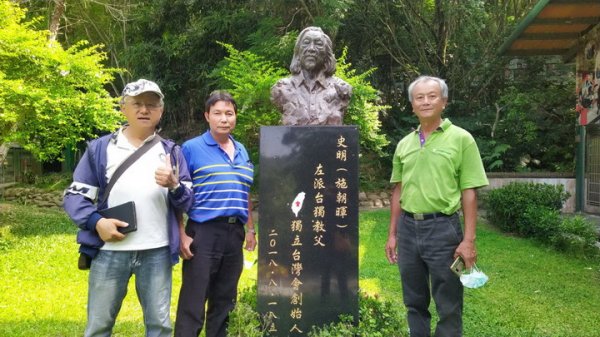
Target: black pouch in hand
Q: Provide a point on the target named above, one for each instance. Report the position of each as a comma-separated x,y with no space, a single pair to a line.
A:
124,212
84,262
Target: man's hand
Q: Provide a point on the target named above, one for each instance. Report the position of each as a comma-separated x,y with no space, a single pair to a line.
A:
250,241
184,246
467,250
390,250
165,176
107,229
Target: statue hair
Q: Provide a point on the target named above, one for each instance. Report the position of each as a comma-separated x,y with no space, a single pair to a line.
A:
329,64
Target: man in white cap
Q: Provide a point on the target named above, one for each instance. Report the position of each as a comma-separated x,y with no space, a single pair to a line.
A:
158,183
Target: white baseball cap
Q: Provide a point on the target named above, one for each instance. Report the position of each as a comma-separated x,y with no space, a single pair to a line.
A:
141,86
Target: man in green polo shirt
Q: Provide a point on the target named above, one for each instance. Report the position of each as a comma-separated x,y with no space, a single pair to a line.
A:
436,169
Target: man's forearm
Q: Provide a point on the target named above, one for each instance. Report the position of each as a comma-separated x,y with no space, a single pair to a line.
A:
395,209
469,206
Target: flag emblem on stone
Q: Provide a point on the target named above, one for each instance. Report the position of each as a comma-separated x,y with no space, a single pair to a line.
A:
297,203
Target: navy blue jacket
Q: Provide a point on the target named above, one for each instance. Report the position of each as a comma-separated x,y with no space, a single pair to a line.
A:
89,182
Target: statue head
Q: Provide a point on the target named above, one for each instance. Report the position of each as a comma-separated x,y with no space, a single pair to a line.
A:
313,52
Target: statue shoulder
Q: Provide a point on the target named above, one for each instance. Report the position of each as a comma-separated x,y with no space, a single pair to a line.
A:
284,82
341,86
280,91
339,82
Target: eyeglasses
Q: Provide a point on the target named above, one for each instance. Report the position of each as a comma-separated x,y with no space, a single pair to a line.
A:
149,106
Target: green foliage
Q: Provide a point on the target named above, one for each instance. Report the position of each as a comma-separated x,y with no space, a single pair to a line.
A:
531,112
377,318
244,321
53,181
391,41
173,42
374,173
267,42
46,181
249,77
364,108
492,153
533,210
248,295
539,222
506,205
576,235
50,97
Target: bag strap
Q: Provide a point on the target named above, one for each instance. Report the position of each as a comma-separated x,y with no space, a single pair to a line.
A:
128,162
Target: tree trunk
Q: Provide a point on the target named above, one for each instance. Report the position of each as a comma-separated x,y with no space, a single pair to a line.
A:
59,10
496,120
4,147
442,38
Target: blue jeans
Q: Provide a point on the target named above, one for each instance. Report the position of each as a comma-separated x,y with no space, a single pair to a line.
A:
425,253
109,275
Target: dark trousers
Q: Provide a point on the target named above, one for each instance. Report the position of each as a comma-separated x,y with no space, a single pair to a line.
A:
425,253
210,277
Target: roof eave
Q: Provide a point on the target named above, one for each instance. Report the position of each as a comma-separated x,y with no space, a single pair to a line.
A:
537,9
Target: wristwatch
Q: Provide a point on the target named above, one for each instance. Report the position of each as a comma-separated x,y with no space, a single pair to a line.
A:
251,230
173,190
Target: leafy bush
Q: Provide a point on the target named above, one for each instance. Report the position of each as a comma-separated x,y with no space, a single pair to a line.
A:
492,153
248,296
507,205
365,105
528,119
374,174
377,319
539,222
244,321
50,97
533,210
344,328
249,78
576,235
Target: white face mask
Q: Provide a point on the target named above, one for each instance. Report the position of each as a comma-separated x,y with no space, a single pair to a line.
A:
475,279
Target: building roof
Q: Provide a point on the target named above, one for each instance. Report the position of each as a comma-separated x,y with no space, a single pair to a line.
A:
553,27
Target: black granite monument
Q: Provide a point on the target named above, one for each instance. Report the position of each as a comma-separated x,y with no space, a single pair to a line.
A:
308,217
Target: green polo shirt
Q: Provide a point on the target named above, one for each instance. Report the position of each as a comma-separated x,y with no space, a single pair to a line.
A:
434,175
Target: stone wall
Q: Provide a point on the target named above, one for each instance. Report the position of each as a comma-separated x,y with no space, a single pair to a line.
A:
32,196
369,200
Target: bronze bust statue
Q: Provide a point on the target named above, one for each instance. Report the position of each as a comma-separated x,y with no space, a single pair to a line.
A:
312,95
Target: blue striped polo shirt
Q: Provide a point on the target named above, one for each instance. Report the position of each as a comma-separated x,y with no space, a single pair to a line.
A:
221,187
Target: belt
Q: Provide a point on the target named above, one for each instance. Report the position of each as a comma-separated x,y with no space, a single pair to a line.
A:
227,219
426,216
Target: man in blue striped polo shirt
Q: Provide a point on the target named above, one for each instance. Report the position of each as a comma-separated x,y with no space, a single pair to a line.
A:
212,240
